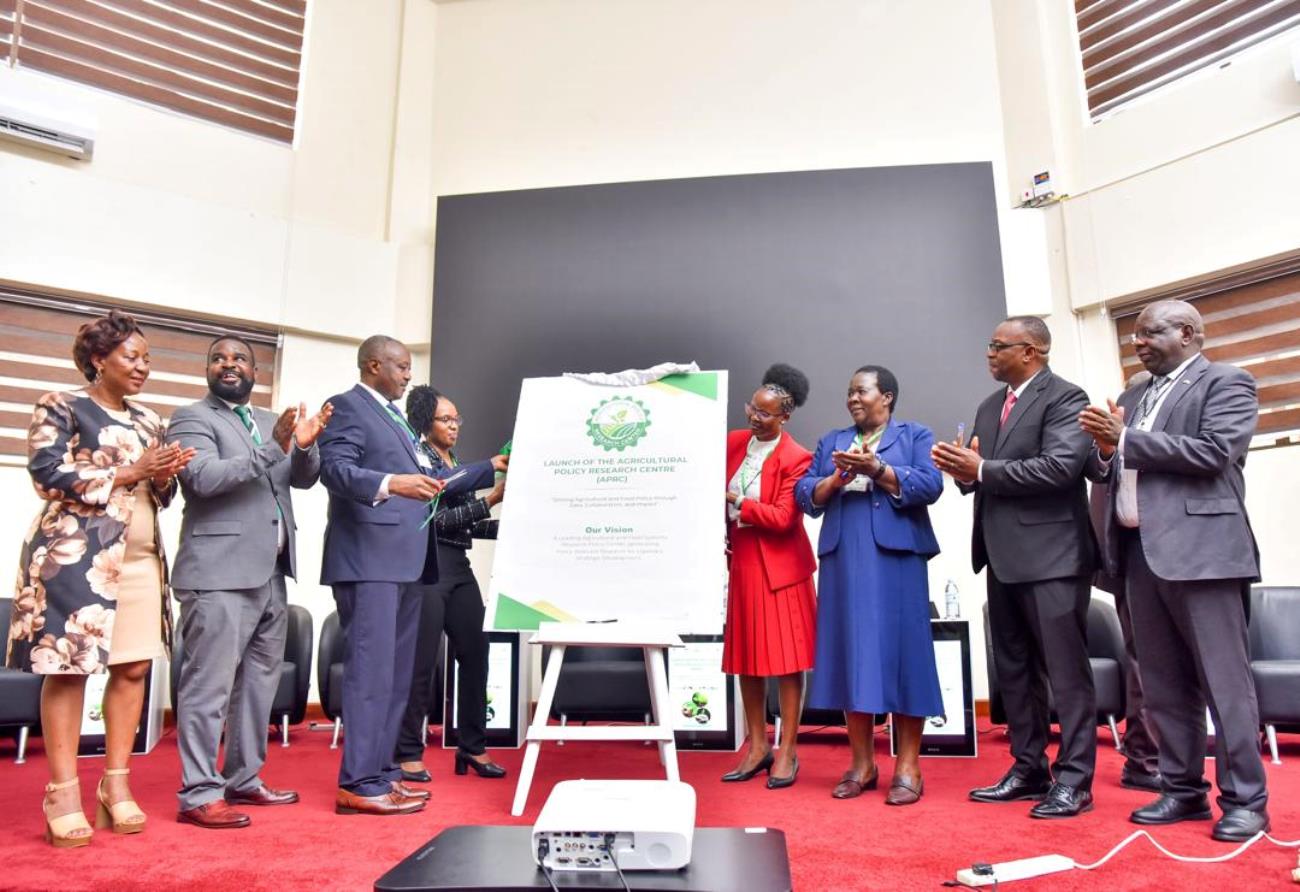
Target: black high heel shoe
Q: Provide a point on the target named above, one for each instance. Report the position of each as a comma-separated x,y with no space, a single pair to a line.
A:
464,762
764,764
779,783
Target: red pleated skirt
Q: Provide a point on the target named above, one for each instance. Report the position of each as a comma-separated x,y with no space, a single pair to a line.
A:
769,632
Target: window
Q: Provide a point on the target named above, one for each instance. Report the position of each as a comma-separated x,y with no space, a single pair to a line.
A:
1132,47
1254,324
36,334
234,62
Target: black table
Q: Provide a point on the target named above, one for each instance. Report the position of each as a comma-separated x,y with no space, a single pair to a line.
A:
473,859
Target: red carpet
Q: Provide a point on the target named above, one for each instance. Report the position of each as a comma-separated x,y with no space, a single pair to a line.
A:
856,844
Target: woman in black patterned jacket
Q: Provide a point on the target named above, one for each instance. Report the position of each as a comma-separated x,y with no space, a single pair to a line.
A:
454,604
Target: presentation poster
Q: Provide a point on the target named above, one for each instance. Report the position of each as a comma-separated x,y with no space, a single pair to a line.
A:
949,661
614,505
697,687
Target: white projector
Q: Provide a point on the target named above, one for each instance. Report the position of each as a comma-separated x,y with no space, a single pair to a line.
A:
643,824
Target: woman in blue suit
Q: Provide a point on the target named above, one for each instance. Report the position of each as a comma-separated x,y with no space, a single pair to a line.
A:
873,482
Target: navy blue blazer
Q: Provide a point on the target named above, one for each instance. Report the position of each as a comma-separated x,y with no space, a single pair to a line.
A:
365,542
898,524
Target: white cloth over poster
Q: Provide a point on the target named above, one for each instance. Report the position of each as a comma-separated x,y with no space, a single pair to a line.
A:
614,504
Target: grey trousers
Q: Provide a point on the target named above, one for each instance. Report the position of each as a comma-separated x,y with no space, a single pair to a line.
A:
234,646
1191,639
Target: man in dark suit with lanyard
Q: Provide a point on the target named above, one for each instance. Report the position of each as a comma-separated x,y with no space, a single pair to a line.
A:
381,489
1033,533
1173,451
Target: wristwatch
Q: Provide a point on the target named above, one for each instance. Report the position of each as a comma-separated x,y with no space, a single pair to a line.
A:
881,468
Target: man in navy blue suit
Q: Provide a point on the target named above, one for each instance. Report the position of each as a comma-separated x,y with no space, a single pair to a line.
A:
380,489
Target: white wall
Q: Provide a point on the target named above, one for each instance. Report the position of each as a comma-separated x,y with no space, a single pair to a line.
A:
330,240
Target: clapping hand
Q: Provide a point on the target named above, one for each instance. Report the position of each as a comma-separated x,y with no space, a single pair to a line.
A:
959,462
309,427
1104,426
162,463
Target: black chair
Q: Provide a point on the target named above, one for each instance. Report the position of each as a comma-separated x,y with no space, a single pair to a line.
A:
329,673
601,684
1275,658
1105,655
20,696
289,706
290,703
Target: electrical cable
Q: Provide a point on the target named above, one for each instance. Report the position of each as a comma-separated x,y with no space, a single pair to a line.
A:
1213,859
609,850
543,848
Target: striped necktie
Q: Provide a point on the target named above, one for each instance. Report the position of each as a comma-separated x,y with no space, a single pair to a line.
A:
246,415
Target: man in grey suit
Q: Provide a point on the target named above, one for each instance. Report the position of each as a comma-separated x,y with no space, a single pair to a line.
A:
237,546
1032,532
1176,531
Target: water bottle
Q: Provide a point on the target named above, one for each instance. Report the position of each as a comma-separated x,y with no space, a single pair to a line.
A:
951,601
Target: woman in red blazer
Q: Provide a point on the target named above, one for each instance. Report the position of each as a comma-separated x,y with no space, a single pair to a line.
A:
771,600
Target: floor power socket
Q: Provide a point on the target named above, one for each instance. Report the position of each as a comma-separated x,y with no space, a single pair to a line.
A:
1006,871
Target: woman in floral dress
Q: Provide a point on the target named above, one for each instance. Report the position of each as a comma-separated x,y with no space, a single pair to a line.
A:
92,594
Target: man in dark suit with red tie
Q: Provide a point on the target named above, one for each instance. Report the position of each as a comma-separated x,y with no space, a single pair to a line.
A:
1032,532
380,486
1173,452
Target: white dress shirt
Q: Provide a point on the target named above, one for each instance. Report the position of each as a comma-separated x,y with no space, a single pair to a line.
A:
1126,498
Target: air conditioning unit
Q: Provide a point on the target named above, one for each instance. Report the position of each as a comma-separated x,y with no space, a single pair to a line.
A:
50,134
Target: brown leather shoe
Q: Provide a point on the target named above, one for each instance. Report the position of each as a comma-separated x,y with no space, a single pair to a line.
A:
262,795
402,789
348,803
904,790
851,786
214,815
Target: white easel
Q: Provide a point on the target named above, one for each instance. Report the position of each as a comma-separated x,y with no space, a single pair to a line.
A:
560,636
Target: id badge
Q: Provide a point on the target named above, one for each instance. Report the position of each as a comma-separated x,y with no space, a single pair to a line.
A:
423,460
859,483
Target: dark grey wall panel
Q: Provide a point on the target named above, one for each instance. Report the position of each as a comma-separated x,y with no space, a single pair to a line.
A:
827,270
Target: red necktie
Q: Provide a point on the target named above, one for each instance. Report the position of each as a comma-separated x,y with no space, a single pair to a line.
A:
1006,407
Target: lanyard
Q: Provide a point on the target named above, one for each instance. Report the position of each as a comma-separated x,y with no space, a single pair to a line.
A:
396,416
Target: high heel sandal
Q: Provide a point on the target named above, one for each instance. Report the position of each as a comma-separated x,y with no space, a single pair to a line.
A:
763,764
464,762
123,816
59,829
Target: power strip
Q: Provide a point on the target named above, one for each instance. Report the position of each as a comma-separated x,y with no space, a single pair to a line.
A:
1024,869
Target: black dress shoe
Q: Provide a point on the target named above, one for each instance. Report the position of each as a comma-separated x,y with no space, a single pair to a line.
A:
1012,787
464,762
764,764
1063,801
417,777
1137,779
780,783
1168,810
1239,825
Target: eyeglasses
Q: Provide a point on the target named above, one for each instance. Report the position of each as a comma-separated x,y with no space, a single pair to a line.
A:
758,414
450,419
998,346
1146,334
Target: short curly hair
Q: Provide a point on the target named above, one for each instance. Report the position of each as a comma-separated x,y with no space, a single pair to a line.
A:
100,337
421,404
787,384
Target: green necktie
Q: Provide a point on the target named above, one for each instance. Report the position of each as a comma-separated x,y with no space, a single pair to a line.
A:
246,415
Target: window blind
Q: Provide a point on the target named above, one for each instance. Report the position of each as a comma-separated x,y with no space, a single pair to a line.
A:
1255,326
234,62
36,335
1132,47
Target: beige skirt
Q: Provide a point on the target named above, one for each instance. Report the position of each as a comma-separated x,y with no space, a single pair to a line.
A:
138,624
